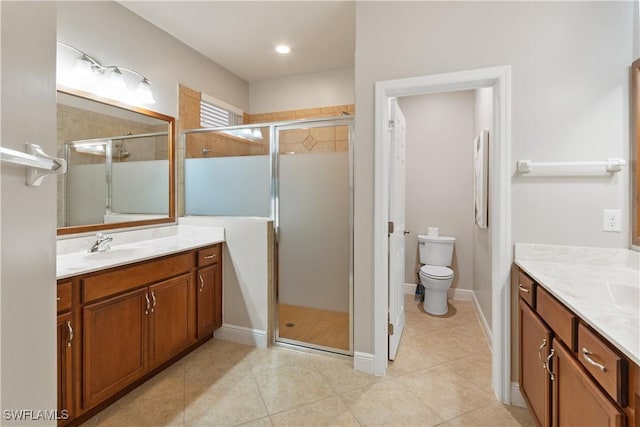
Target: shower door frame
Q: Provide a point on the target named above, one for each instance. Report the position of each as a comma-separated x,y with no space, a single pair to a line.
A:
347,120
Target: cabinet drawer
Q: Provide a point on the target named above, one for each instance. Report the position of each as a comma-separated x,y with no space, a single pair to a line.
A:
64,296
526,288
603,363
129,278
208,256
562,321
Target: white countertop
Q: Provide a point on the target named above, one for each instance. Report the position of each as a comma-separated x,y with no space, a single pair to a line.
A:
601,286
131,246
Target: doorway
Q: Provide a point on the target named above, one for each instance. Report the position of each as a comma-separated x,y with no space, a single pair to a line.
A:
498,79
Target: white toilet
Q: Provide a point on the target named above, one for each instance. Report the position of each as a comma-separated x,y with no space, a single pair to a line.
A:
436,253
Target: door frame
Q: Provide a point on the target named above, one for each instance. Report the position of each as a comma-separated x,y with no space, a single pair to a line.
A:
498,78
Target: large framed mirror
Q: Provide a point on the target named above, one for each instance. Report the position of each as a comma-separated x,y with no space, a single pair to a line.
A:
635,154
120,165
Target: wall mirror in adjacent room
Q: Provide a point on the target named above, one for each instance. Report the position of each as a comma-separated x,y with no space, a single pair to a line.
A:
635,154
120,165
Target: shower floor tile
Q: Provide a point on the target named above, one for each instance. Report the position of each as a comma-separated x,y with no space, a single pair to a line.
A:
314,326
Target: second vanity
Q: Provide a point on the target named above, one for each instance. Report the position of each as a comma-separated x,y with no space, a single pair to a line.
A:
128,312
579,334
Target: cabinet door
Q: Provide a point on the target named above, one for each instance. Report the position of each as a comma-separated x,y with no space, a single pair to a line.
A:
535,384
172,318
115,344
577,401
65,366
209,293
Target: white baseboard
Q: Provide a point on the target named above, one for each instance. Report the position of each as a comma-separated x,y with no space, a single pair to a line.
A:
363,362
483,321
516,396
409,288
457,294
460,294
242,335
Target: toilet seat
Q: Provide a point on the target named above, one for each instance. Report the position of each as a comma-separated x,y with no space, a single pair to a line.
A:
436,272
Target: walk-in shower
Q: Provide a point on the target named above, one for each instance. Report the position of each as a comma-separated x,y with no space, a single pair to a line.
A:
298,174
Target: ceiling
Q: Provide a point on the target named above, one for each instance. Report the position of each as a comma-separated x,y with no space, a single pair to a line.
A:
241,35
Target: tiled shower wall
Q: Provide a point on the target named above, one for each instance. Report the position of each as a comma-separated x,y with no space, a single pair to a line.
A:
328,139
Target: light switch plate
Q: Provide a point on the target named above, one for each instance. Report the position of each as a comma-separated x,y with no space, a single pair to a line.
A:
612,220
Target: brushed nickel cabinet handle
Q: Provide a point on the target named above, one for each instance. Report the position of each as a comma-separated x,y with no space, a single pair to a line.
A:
146,311
543,345
209,256
201,282
153,297
523,289
553,377
585,355
70,329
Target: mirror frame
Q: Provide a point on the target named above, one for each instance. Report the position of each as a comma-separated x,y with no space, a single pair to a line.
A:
635,153
171,121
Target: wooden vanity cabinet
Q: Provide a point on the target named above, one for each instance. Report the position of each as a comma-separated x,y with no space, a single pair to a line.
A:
577,400
556,385
534,346
65,366
209,295
172,324
64,353
133,321
115,354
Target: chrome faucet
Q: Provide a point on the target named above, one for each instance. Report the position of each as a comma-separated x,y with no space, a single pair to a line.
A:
101,244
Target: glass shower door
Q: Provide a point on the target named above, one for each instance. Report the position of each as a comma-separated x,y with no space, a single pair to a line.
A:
314,235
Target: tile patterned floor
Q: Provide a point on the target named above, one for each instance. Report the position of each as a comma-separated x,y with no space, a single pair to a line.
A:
441,377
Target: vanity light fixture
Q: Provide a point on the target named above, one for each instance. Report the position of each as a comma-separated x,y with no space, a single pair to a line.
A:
283,49
90,75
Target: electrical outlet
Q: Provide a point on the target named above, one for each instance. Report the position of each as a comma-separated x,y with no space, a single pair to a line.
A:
612,220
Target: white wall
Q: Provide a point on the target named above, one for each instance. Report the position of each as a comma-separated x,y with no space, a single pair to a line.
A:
483,119
303,91
247,273
28,228
569,102
440,177
114,35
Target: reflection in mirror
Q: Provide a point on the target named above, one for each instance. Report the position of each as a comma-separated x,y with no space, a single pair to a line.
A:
635,154
119,165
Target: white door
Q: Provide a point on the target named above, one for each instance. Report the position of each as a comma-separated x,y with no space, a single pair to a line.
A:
397,178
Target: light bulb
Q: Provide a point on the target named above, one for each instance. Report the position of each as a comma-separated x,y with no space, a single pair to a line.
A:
283,49
83,75
143,93
116,87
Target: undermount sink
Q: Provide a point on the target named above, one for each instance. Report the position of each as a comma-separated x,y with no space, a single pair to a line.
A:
115,253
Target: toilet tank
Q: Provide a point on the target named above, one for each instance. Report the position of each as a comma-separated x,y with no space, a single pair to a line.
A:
436,250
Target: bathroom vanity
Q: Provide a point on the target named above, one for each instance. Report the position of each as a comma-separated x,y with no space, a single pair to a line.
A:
579,334
129,312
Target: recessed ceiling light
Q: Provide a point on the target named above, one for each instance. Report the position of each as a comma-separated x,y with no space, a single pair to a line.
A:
283,49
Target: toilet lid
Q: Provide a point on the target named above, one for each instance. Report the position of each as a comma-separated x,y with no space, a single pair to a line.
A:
436,271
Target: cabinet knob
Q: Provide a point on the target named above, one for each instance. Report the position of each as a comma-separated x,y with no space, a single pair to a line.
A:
543,345
70,329
153,297
553,377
